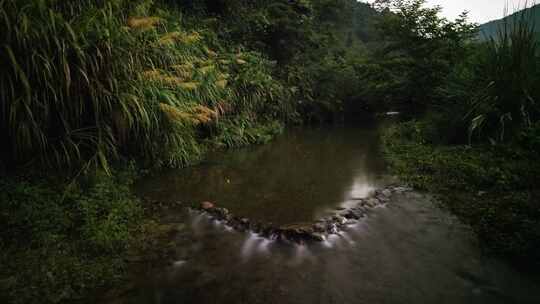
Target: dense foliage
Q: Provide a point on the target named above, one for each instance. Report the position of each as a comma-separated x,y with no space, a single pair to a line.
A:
494,189
475,137
87,81
86,85
73,238
470,91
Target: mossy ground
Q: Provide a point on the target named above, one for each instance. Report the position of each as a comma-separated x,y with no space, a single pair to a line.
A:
492,188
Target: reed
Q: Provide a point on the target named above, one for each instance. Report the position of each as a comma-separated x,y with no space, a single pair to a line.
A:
506,102
86,82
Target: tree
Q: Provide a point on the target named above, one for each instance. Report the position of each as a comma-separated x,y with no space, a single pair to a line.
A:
419,50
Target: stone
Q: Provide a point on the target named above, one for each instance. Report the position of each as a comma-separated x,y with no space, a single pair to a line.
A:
372,202
320,227
299,228
386,192
333,229
207,205
402,189
383,199
352,222
340,219
361,209
350,214
319,237
221,213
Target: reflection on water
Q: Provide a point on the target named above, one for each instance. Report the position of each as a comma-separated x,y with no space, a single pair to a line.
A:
293,179
406,252
409,252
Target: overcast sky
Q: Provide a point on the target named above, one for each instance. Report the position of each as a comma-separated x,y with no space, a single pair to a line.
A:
480,11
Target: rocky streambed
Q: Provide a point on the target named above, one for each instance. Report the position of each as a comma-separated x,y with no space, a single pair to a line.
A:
317,231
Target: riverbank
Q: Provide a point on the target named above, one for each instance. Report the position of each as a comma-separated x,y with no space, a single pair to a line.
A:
389,256
492,188
65,237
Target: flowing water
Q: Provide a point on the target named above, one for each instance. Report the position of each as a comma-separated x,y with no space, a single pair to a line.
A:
409,251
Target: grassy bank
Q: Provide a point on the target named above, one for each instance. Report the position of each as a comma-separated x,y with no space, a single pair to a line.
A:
492,188
86,86
59,241
63,238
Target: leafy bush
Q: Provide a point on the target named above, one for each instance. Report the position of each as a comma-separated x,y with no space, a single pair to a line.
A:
494,189
60,242
504,101
530,138
242,132
130,79
419,50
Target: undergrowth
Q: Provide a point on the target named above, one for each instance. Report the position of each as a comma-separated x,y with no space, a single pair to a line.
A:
492,188
88,82
86,85
60,240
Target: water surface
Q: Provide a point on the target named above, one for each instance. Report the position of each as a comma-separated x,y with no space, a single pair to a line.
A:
409,251
295,178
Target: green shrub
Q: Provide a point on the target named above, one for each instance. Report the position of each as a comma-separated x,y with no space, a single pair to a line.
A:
493,188
61,241
242,132
86,82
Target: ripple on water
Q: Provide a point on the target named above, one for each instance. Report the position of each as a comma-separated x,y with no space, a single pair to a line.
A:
409,252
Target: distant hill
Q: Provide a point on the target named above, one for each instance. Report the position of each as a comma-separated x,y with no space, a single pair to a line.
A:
490,29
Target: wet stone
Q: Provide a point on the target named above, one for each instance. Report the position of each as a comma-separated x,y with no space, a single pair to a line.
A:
340,219
383,199
320,227
350,214
319,237
302,232
372,202
207,205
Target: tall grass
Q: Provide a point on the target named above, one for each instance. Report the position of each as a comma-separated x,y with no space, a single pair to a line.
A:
507,100
85,82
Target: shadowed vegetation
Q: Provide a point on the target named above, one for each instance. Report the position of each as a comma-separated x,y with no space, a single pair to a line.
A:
88,86
475,134
88,82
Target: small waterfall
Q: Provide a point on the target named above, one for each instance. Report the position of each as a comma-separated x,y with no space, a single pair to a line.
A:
250,244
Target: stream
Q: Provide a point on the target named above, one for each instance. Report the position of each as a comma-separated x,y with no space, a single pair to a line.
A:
406,251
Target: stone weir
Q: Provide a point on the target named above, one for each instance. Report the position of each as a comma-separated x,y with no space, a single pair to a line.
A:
316,231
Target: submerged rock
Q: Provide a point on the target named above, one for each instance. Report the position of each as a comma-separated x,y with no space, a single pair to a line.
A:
351,214
340,219
372,202
207,205
319,237
333,229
